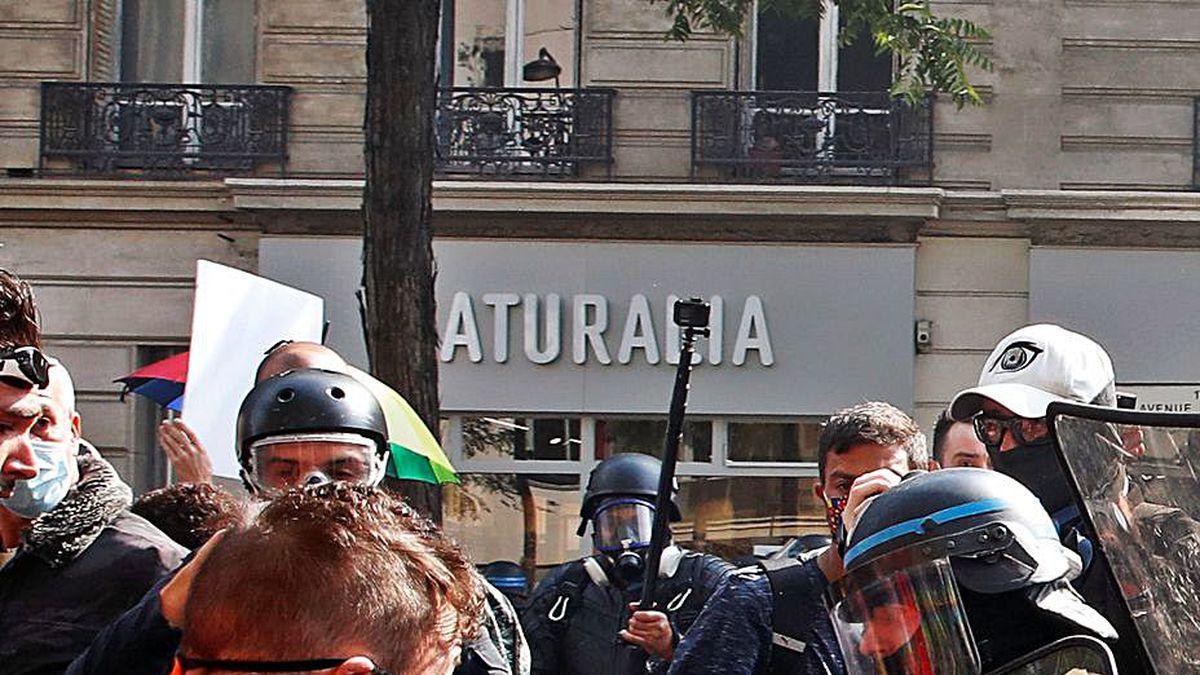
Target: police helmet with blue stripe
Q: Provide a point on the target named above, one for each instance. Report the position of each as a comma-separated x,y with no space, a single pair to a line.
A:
938,566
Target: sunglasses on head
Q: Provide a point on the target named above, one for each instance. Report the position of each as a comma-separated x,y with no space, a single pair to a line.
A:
25,367
183,664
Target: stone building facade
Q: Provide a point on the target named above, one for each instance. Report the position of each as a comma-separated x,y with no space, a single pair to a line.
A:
1079,165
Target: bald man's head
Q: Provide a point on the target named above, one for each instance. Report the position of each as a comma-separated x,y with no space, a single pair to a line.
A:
296,355
58,422
61,388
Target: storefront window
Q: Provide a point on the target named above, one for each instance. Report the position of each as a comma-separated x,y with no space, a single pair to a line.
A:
728,516
528,519
773,441
615,436
521,438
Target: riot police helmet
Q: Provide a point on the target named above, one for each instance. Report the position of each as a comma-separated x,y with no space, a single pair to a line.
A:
310,426
627,480
929,558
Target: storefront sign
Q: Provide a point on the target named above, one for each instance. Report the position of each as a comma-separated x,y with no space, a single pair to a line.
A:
568,327
1183,398
592,330
1141,305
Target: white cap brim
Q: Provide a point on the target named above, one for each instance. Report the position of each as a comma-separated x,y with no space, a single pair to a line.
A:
1022,399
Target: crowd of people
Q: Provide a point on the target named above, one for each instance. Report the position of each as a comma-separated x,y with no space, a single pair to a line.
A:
955,557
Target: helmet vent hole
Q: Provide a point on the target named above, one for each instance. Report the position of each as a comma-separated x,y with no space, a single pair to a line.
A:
286,395
337,393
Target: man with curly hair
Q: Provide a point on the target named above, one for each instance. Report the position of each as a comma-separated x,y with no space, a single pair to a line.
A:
18,313
190,513
771,620
339,578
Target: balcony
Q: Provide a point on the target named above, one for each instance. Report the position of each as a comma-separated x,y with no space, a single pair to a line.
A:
163,129
524,133
857,138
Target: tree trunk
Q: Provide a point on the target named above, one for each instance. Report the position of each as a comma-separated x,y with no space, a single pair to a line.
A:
529,548
398,270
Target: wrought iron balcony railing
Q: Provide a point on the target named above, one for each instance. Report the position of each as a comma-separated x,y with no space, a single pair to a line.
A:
511,132
804,136
163,128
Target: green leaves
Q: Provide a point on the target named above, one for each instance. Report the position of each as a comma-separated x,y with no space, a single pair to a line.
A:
932,53
724,16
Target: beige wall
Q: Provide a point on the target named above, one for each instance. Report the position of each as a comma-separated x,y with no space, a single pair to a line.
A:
106,288
975,291
1086,93
624,48
317,47
44,40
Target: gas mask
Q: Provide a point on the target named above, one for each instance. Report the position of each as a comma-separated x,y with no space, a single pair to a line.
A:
621,532
40,494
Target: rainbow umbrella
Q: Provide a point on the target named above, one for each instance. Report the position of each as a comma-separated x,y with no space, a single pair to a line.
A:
161,381
416,454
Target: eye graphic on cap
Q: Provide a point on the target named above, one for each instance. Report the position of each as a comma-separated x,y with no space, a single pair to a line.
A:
1017,356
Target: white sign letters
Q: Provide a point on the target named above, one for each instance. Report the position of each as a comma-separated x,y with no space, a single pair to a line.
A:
635,335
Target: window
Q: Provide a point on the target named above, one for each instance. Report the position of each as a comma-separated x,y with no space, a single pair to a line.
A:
151,468
188,41
521,438
743,483
615,436
729,516
527,519
493,39
804,55
773,441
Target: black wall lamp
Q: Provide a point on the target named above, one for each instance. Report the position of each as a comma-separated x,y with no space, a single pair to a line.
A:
543,68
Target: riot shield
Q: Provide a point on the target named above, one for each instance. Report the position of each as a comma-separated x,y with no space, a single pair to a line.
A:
1135,476
1078,655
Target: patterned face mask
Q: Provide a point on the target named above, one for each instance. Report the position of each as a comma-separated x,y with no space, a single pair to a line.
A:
834,506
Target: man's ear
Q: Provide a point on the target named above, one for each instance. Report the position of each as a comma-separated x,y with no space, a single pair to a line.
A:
934,465
818,491
359,665
76,425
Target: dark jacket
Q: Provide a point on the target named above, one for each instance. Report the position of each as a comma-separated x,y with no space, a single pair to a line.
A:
755,625
572,622
79,567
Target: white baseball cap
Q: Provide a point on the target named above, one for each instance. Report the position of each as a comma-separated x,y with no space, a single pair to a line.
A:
1035,366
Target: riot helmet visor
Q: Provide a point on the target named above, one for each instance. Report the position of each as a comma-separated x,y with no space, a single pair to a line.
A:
278,463
903,616
623,524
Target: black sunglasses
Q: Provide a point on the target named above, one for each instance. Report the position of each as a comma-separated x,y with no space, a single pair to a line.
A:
990,430
27,366
184,664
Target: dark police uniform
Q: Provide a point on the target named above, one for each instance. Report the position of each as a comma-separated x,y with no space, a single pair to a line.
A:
572,622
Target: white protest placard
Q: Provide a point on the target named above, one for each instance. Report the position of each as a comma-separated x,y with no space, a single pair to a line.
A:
237,316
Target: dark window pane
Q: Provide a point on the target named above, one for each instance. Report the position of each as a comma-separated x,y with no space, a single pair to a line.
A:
152,41
786,57
860,68
730,516
647,436
527,519
229,36
773,441
521,438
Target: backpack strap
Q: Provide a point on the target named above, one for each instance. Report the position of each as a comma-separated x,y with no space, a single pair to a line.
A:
570,589
789,586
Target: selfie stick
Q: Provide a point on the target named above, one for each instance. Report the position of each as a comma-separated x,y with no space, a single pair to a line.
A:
692,316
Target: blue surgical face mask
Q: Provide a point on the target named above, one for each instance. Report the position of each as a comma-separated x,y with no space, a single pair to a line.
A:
40,494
